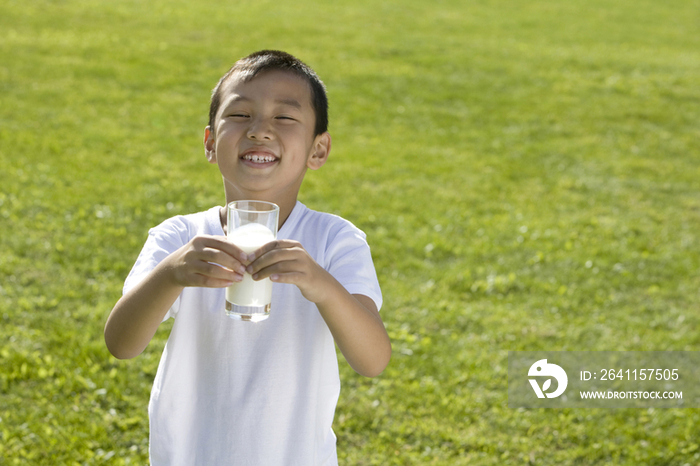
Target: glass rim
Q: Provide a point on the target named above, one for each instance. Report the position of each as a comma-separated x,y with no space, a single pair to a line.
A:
273,207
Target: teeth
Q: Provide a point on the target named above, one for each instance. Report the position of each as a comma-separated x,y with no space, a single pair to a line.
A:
259,158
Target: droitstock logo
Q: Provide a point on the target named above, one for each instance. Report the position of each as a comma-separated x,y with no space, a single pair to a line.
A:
543,369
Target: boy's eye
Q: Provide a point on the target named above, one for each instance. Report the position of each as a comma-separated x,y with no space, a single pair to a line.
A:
284,117
238,115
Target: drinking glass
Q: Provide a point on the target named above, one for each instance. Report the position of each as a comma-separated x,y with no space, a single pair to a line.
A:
251,224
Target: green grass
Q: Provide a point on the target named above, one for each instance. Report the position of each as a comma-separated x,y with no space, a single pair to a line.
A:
527,174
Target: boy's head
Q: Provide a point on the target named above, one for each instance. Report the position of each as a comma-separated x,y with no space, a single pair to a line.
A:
266,60
268,125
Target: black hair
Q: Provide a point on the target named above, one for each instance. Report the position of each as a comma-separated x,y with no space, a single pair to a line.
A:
247,68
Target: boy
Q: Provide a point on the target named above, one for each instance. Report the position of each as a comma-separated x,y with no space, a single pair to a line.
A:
230,392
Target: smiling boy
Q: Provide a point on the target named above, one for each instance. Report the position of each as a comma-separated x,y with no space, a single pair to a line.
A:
232,392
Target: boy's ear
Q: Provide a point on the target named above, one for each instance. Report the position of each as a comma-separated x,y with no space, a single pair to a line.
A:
320,151
209,146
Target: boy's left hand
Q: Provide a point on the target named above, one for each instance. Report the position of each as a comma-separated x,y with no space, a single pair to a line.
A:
286,261
353,320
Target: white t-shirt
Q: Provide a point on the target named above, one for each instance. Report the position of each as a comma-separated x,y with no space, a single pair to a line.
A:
229,392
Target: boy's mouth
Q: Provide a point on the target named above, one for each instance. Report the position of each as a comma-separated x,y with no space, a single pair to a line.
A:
259,157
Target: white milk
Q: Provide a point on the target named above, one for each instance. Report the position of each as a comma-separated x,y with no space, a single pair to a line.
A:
249,292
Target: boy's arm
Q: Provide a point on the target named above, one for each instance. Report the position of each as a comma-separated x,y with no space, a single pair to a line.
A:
206,261
353,320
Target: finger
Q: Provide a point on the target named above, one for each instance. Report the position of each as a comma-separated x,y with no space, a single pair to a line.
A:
211,282
272,245
279,268
223,259
222,244
216,272
292,278
274,257
208,275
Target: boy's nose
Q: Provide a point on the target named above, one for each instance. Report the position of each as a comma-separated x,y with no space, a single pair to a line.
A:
259,129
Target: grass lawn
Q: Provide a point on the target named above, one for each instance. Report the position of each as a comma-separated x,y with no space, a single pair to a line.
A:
527,174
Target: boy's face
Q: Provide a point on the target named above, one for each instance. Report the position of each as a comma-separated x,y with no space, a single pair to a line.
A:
263,140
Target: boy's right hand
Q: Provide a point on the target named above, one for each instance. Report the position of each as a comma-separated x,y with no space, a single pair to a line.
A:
207,261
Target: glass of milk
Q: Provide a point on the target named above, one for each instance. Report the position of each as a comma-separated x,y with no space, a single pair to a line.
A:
251,224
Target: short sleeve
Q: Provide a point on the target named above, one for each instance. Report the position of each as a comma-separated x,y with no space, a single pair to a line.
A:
162,241
349,260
